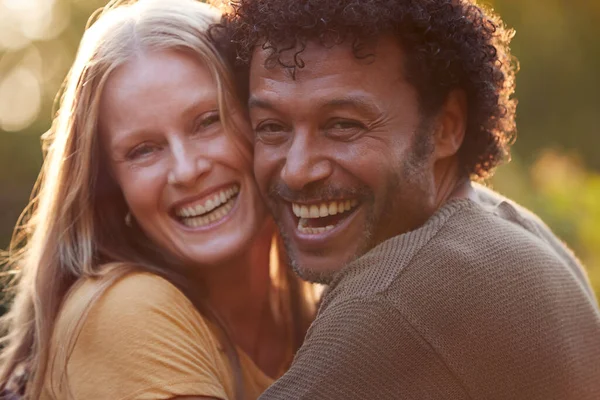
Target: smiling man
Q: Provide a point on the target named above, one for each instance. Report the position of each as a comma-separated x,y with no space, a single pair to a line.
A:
371,119
343,154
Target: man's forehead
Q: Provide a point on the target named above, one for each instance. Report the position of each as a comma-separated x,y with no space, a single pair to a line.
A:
315,59
312,56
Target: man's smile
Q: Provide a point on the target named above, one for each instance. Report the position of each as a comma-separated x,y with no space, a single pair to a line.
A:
317,223
321,217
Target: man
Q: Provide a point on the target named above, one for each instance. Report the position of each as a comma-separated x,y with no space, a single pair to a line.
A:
371,119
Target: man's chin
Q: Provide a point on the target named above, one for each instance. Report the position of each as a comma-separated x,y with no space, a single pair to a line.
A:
317,268
312,275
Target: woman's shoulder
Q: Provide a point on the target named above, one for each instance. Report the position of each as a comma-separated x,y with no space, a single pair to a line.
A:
138,287
142,334
131,302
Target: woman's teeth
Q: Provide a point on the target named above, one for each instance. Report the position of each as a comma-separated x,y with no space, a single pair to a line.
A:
212,216
315,211
210,210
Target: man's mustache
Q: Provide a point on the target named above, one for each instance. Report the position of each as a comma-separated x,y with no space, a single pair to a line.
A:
318,192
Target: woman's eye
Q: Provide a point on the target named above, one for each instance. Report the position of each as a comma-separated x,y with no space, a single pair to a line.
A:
207,121
140,151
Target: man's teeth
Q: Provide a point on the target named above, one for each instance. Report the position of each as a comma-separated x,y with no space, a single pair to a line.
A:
314,231
323,209
314,211
209,204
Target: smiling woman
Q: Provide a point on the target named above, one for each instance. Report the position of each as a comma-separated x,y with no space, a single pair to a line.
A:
170,155
147,264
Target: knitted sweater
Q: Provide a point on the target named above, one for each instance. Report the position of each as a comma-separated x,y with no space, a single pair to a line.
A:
481,302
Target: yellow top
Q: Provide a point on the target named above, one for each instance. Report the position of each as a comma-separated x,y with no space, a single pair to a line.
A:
143,339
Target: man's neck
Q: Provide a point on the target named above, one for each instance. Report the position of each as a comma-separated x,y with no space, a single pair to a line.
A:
451,182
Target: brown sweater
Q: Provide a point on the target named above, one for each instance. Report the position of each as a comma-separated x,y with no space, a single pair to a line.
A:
482,302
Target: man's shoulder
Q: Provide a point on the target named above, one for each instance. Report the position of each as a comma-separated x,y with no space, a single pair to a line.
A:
373,273
485,290
492,233
485,251
496,249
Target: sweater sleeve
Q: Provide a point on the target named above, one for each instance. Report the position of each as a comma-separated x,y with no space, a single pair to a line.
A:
363,349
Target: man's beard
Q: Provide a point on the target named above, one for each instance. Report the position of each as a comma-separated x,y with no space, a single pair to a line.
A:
279,190
325,277
411,171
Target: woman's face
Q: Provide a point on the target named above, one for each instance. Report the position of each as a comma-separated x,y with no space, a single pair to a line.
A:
185,181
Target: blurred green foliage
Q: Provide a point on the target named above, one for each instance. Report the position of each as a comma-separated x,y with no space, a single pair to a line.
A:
563,194
555,169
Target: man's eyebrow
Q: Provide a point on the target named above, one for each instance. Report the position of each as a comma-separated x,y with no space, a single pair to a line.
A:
256,102
360,103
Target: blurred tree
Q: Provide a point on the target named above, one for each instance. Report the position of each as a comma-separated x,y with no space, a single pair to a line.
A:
557,46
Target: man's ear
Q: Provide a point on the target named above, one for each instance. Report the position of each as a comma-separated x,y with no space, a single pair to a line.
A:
451,125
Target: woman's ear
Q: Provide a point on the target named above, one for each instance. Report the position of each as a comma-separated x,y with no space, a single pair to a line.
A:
451,125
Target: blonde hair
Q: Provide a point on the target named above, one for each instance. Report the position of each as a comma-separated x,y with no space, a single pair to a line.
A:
73,227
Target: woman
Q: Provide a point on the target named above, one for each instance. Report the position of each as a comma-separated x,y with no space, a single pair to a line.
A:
147,267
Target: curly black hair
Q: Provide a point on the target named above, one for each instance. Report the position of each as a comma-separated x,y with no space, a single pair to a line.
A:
450,44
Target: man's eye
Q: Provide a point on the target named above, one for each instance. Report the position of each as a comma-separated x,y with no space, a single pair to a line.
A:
344,129
269,128
142,150
270,132
346,125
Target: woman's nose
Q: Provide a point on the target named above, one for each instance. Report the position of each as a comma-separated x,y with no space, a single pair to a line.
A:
188,165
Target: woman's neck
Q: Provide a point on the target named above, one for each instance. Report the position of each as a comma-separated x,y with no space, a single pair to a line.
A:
240,293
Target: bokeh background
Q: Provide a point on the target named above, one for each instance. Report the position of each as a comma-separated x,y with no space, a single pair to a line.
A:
555,169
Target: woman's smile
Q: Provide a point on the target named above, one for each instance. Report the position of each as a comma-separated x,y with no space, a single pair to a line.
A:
209,210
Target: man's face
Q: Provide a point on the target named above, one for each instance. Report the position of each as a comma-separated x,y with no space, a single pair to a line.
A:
342,154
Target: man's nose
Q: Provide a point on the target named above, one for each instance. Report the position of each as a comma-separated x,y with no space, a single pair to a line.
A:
305,163
188,165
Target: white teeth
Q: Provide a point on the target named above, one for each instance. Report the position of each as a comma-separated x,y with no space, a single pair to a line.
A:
313,231
303,212
323,209
207,219
333,209
314,212
210,204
